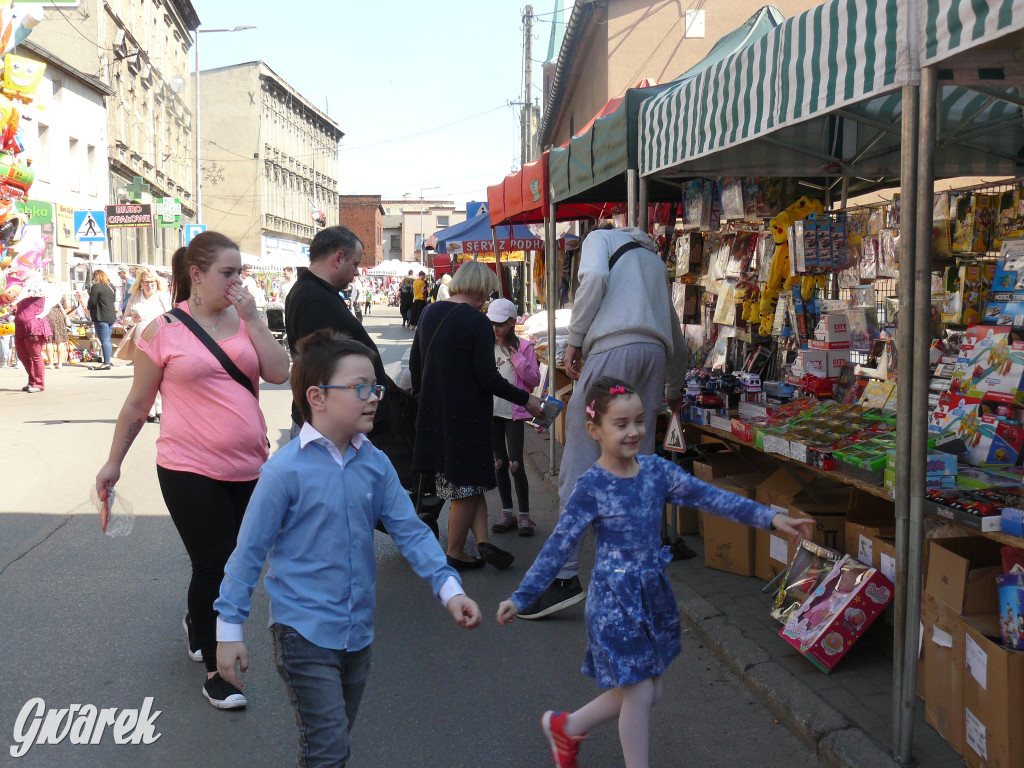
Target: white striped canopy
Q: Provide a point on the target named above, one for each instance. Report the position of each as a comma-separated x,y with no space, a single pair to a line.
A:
820,97
952,27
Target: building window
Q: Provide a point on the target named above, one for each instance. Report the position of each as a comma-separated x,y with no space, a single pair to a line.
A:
442,221
396,242
74,166
42,163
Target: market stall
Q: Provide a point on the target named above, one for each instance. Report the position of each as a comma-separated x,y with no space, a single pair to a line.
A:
829,101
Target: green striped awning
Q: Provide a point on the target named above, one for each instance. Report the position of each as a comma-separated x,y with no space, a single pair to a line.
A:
834,55
954,26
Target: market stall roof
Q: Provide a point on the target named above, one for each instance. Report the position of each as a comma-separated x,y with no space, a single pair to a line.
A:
523,198
953,27
475,236
395,268
820,97
592,166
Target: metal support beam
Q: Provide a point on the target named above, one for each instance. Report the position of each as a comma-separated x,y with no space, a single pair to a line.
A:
551,305
902,712
641,201
632,195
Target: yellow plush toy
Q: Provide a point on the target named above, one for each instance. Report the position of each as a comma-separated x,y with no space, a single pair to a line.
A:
778,275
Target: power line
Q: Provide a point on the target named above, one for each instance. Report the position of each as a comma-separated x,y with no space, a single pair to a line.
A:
423,132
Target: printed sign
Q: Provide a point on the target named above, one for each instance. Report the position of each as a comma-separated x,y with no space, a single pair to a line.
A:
90,227
35,212
191,230
65,226
674,436
168,212
130,215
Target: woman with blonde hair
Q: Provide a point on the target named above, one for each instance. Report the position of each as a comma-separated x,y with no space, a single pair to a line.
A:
146,302
453,371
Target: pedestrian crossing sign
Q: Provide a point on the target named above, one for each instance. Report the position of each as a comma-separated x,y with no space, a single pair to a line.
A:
674,440
90,226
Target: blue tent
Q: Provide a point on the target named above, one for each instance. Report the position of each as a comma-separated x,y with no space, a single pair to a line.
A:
475,236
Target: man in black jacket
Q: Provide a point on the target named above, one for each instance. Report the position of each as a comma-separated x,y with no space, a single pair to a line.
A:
315,302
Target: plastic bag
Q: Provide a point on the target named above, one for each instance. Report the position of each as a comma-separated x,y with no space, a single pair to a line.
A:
117,517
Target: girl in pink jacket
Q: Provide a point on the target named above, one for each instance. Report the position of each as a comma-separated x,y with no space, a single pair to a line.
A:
517,362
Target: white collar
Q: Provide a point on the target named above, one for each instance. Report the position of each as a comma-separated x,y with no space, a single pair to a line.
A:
309,434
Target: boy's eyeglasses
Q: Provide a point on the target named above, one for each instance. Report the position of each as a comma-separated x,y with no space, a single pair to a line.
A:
363,391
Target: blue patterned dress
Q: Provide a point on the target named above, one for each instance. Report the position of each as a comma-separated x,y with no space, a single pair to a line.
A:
632,616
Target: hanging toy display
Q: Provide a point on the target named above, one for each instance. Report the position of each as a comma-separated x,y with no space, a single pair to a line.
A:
779,276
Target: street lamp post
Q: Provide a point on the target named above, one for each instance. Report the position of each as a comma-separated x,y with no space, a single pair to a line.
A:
199,138
422,233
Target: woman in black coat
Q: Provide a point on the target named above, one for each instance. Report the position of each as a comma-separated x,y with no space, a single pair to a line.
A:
102,312
453,372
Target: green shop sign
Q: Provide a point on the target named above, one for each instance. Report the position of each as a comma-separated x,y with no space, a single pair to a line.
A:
36,211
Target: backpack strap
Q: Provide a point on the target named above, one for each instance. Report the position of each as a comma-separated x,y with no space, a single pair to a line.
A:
222,357
620,252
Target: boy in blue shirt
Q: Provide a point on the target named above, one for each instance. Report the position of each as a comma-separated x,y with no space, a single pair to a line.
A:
312,516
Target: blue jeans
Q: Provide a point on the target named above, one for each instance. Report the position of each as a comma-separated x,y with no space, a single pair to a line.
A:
325,687
103,334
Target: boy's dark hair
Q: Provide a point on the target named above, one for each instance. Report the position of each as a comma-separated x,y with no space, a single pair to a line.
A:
316,358
601,393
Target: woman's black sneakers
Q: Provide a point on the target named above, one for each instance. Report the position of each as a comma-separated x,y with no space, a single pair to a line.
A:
194,651
222,694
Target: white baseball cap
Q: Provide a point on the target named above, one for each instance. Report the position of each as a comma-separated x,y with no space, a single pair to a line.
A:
501,310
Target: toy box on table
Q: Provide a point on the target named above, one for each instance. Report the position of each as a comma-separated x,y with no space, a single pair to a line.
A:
990,366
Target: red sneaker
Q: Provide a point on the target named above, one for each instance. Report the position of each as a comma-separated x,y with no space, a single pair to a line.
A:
564,747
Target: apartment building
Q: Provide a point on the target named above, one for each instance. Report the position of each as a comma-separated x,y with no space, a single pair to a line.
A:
140,49
364,215
419,220
269,156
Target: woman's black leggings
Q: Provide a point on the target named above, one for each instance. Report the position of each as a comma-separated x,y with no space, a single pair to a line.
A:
207,514
507,437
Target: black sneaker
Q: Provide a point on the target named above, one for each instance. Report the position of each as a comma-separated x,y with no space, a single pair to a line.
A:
194,651
222,694
560,595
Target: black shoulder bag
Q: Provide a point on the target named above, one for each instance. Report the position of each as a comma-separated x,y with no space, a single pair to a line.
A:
229,365
620,252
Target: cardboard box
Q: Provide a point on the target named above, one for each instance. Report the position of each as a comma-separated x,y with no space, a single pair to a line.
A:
883,556
563,394
941,670
773,552
745,462
685,520
961,573
830,522
728,546
993,678
835,359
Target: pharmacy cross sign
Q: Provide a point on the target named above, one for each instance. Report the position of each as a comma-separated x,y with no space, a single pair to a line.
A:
168,212
136,189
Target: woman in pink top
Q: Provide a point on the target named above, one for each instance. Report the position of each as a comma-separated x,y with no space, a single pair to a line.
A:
213,438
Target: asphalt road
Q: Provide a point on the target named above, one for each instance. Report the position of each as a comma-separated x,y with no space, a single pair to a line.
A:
85,619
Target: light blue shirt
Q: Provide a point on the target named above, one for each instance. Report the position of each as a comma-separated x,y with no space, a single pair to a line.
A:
311,517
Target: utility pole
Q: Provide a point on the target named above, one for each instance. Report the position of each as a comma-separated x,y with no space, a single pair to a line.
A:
526,154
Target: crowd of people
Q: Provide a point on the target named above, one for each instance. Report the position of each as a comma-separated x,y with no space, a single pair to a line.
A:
310,509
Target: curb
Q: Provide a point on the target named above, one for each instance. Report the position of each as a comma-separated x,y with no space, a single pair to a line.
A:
837,742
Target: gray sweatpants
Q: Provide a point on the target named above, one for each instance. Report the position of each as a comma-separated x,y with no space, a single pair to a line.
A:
640,365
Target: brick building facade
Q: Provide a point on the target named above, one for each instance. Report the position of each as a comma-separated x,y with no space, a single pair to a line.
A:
362,214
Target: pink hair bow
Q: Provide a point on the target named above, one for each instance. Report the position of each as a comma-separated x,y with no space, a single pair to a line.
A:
619,390
591,411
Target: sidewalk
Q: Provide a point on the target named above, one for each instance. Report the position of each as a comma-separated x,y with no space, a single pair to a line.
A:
846,716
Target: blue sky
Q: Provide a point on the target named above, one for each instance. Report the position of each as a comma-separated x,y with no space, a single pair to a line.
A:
390,69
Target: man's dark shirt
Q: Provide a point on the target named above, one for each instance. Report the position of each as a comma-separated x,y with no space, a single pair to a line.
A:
312,304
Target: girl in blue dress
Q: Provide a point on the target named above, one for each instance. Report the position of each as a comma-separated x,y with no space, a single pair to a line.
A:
633,627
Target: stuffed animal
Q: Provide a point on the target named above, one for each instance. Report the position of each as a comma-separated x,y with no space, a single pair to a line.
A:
779,275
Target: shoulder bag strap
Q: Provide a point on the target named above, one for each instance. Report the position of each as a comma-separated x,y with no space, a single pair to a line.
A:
208,342
620,252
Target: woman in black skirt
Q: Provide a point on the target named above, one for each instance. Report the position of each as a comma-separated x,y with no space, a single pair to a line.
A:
453,372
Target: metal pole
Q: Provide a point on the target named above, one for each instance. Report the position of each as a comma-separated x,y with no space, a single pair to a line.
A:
632,193
904,428
919,397
199,145
642,218
551,270
497,259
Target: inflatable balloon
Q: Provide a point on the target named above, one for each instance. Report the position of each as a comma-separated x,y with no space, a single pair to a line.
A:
21,77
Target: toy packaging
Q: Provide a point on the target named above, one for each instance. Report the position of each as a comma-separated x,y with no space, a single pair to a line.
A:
1010,221
991,440
952,411
990,366
838,611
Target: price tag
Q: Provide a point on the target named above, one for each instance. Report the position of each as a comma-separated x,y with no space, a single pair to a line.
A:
977,661
864,549
888,567
777,549
975,734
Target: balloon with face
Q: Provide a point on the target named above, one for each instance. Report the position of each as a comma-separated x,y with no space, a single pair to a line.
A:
10,293
21,77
